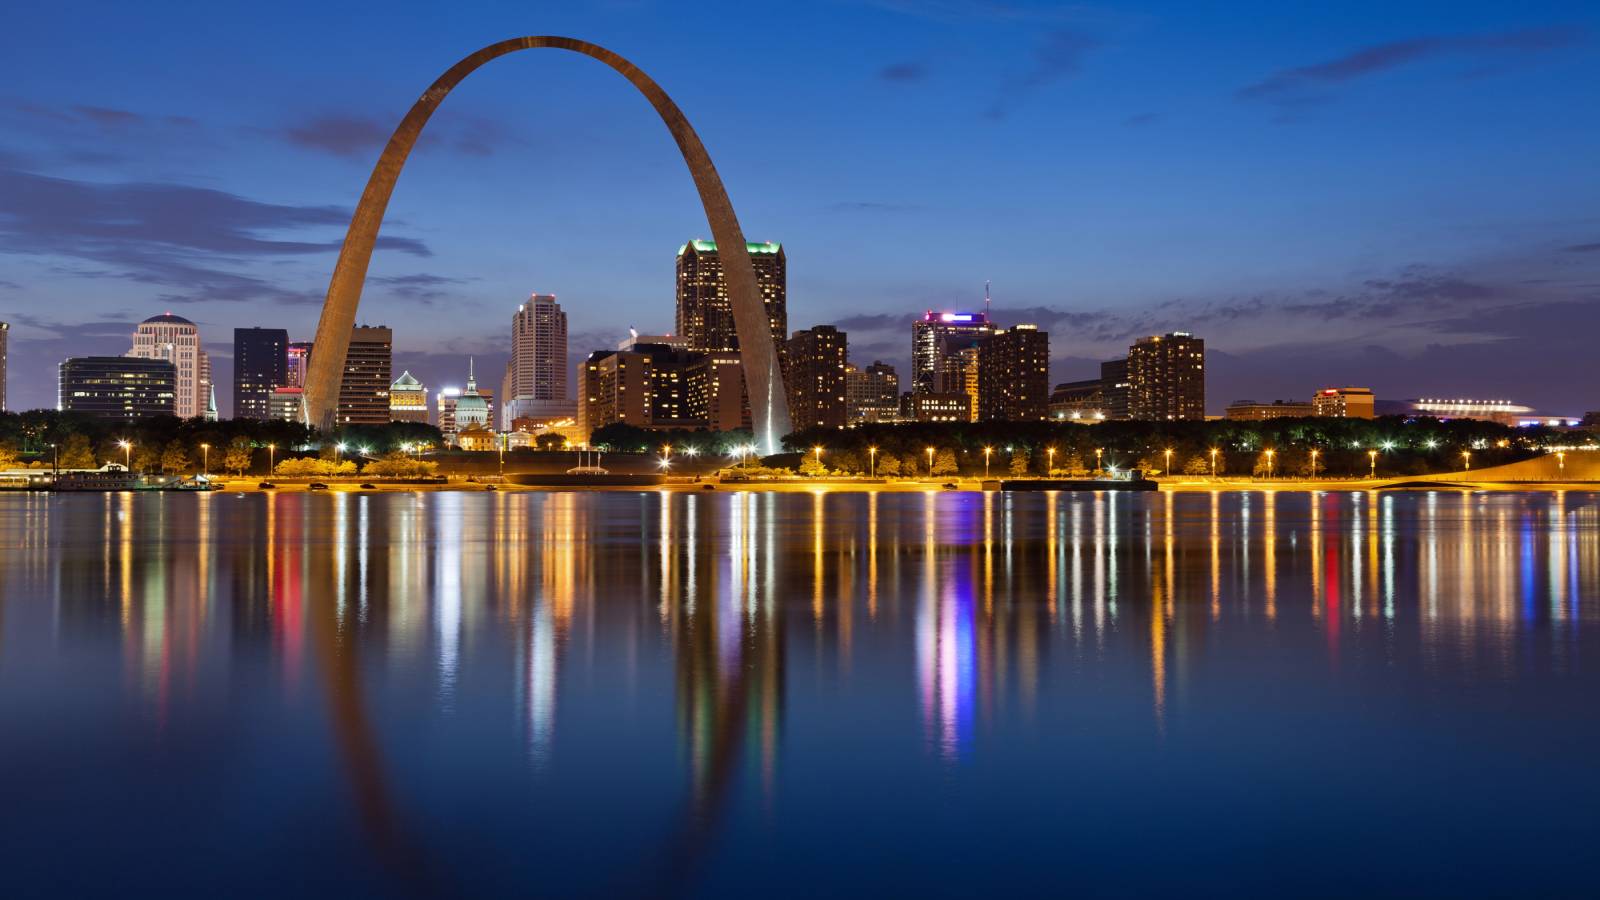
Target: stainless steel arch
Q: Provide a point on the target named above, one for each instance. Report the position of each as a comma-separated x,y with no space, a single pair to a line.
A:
769,406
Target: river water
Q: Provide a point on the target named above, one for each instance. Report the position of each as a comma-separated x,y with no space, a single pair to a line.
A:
795,694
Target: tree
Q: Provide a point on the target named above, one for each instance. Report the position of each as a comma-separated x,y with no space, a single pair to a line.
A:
175,459
550,441
77,453
1197,465
944,462
1074,465
888,464
811,466
399,465
146,457
1019,462
239,456
8,455
1263,467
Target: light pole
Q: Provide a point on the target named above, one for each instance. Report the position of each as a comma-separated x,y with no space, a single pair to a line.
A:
1372,458
1050,460
1270,455
1466,459
272,457
127,454
501,446
55,466
205,461
930,462
818,451
872,462
1099,468
1213,463
987,452
1166,467
1314,464
1561,464
338,451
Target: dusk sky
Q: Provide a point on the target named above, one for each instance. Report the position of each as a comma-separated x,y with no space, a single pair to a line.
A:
1401,196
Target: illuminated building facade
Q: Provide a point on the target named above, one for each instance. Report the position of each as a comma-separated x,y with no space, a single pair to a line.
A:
1078,401
716,391
1344,403
1014,375
937,340
536,375
705,314
297,363
177,340
1255,411
408,399
287,404
118,387
1115,388
1167,378
938,407
1503,412
260,364
871,394
364,387
816,377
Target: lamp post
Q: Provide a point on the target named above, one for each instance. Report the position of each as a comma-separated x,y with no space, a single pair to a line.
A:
1561,464
930,461
1270,454
1099,468
1050,457
1213,463
818,451
1166,465
501,446
127,454
872,462
338,451
1372,458
987,452
272,457
205,460
1314,464
55,466
1466,459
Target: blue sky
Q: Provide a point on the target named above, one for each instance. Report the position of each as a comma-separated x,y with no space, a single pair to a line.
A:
1396,195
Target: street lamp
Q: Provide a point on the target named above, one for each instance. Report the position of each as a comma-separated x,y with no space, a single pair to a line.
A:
1561,463
127,454
338,450
501,446
818,451
205,460
1214,462
1372,457
930,460
1466,459
1098,453
272,457
987,452
1314,463
1269,463
1050,458
1166,466
872,462
55,467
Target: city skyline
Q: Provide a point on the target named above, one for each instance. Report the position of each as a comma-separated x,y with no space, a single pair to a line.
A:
1095,210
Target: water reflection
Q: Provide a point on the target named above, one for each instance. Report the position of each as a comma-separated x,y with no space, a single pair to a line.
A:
979,612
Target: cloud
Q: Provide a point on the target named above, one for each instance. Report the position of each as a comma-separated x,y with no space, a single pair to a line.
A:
872,206
1377,58
1142,119
361,138
1059,56
423,287
191,239
101,115
903,72
1583,248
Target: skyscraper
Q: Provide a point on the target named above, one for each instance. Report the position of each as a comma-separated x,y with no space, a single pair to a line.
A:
705,315
937,341
5,332
408,400
535,385
260,364
177,340
1014,375
1115,387
364,387
871,394
296,366
118,387
816,377
716,391
1167,378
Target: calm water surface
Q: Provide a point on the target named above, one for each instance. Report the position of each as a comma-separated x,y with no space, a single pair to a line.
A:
736,694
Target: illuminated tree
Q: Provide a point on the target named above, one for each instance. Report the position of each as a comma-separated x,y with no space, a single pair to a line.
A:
239,456
812,467
888,464
175,459
1019,462
8,455
944,462
1197,465
77,453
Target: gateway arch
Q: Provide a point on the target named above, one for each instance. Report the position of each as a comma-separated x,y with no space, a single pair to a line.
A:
769,406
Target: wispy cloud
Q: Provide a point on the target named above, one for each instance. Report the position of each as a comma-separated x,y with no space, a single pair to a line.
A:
361,138
1583,248
1060,55
1301,81
903,72
872,206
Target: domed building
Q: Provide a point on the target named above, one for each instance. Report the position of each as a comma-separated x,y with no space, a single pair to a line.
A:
472,408
177,340
408,399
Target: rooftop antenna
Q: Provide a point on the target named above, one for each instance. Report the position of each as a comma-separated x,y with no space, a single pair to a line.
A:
986,300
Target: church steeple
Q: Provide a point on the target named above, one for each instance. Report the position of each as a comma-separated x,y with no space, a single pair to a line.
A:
472,378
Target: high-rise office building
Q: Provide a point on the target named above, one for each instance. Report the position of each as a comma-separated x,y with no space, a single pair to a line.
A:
613,386
364,387
1014,375
297,364
705,314
937,342
716,391
260,365
816,377
177,340
871,394
535,384
408,399
1115,386
5,333
1167,378
119,387
287,404
1345,403
658,386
